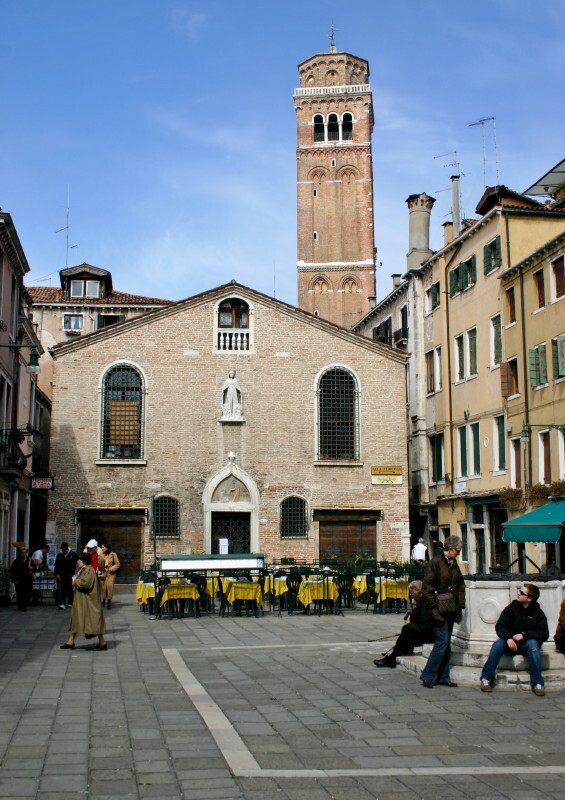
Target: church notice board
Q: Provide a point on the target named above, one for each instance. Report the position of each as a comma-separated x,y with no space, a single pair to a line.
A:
386,476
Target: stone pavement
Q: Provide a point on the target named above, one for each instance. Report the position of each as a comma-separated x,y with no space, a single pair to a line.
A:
290,708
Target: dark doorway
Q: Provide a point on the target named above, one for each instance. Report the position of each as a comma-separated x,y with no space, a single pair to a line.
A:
235,528
480,550
122,530
346,539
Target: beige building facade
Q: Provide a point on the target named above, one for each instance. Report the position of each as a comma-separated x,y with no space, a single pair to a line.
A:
230,422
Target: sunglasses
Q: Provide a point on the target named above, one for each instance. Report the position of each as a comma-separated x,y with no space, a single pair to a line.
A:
523,593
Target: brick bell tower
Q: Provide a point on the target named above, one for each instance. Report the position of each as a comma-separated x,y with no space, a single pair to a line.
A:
336,253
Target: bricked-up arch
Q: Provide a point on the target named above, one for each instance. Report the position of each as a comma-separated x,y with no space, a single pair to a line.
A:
123,394
337,421
320,285
349,285
318,175
294,519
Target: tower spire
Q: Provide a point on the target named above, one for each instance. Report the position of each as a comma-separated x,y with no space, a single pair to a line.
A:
333,48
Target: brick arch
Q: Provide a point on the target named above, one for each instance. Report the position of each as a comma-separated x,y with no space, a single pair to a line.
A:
349,284
318,174
347,173
320,284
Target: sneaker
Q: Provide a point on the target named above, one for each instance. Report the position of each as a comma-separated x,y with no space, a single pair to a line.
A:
538,689
486,685
62,607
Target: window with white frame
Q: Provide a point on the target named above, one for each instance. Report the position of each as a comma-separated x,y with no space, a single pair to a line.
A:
511,305
466,355
539,285
294,518
544,457
432,297
463,276
475,448
233,329
558,277
85,288
496,340
463,535
430,372
72,322
538,366
335,128
166,517
516,463
122,414
437,459
492,255
438,375
499,452
338,416
509,378
460,358
469,450
462,441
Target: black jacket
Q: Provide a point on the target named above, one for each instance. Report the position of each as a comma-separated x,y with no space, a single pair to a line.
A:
419,617
20,571
531,622
443,577
66,564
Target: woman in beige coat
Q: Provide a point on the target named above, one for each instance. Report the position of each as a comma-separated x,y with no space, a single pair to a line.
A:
87,616
111,566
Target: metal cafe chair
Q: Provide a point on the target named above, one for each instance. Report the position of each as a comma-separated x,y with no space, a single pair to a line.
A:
344,583
371,593
293,582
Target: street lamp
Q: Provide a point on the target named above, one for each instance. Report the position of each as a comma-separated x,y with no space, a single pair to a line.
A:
32,366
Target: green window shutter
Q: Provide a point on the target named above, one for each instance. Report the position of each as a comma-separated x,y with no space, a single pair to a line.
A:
534,367
487,259
100,321
438,457
463,451
559,357
454,281
497,337
475,433
472,337
473,269
501,443
542,360
498,247
435,295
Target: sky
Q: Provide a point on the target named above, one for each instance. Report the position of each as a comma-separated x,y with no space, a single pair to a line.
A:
170,125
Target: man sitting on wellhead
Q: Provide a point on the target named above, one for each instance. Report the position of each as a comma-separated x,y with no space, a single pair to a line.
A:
417,629
522,629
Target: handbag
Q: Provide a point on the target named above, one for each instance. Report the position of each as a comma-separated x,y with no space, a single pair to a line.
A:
446,603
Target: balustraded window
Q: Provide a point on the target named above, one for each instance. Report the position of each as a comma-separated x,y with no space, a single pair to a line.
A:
233,325
122,413
338,416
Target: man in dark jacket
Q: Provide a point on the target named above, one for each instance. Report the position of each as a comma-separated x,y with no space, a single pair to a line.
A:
417,630
65,568
522,629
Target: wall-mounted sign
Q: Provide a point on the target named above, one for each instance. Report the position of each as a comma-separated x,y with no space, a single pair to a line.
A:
42,483
386,480
386,470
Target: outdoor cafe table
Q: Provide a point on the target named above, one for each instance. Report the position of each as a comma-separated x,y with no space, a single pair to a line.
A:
324,589
180,591
360,585
144,592
239,590
390,589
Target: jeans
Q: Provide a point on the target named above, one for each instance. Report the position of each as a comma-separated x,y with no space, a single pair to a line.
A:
528,648
438,661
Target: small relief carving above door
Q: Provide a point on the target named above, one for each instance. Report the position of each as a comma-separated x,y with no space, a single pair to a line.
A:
231,490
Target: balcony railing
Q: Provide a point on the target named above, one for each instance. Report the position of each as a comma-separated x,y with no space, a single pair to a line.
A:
310,91
233,339
401,335
12,459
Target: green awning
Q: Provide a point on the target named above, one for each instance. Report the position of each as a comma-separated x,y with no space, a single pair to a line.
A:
545,524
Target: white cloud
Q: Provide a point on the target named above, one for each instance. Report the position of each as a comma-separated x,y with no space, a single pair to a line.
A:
188,22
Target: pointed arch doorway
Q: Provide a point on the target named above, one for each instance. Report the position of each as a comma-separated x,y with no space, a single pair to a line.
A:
231,512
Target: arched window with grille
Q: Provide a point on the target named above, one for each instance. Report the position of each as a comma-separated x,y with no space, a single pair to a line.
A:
338,416
122,413
294,518
166,517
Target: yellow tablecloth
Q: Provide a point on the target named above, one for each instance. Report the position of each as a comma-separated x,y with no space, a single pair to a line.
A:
179,592
314,590
244,591
360,585
280,586
389,589
144,592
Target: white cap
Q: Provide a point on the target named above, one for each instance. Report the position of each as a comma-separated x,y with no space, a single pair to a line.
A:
91,543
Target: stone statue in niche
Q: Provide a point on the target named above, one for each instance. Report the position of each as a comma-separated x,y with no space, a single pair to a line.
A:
232,398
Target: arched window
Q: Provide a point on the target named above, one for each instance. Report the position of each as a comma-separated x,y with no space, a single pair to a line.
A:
294,518
338,416
122,413
333,128
319,134
347,127
233,325
166,517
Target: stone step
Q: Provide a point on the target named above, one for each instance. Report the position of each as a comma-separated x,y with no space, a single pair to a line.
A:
513,676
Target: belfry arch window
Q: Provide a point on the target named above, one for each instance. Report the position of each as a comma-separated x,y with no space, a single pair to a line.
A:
347,127
122,413
233,325
333,128
319,128
338,416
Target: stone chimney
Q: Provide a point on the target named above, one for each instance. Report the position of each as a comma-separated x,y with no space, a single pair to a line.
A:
447,233
396,280
420,207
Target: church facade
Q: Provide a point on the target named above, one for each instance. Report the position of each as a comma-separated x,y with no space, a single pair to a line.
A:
230,422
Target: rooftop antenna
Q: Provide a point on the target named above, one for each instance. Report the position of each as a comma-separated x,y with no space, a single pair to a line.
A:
332,39
481,122
66,227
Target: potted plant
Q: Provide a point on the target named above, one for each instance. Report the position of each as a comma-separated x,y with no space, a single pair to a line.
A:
557,490
511,499
538,493
4,585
